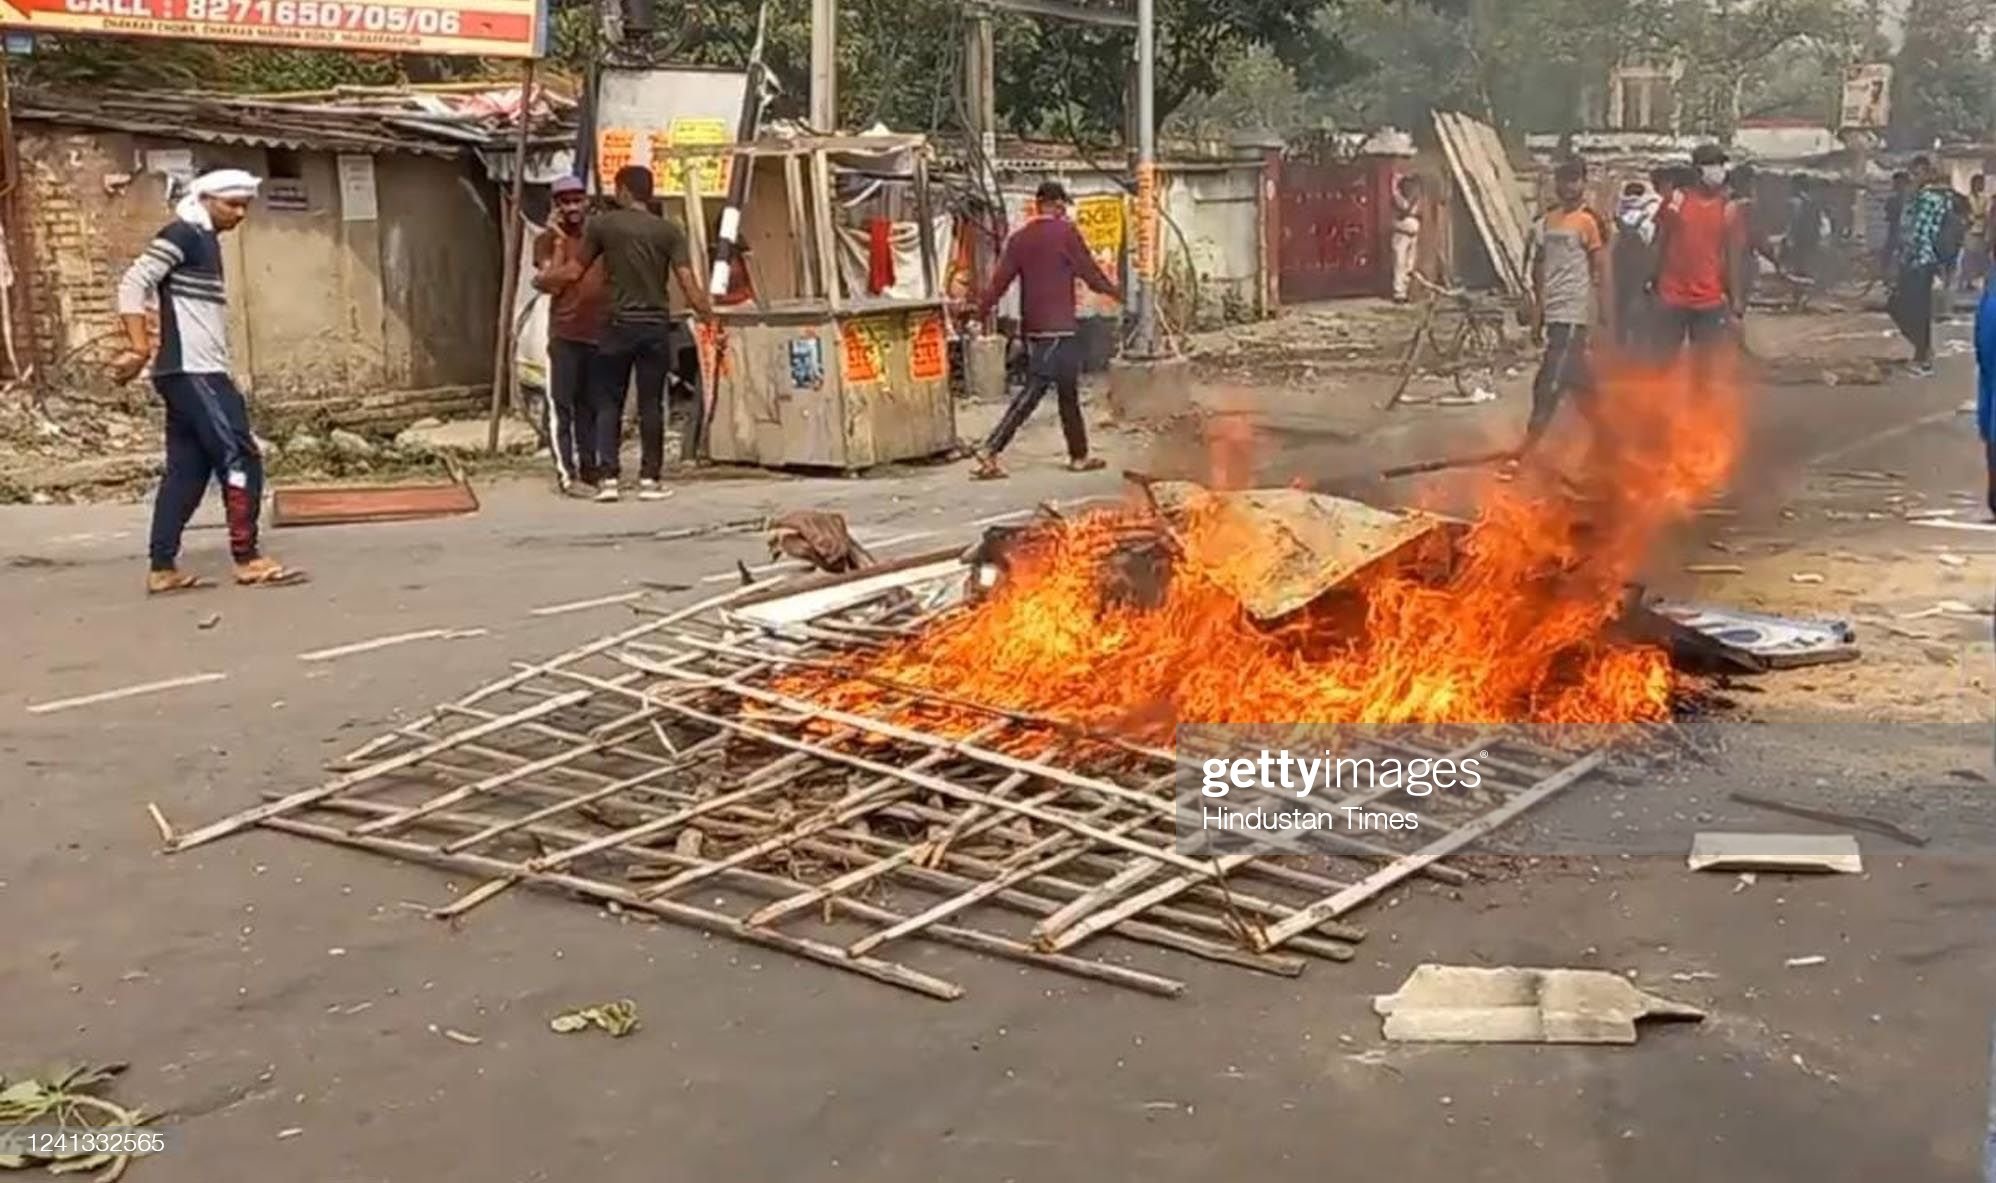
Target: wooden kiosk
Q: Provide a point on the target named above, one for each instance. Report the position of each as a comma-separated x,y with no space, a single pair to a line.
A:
811,373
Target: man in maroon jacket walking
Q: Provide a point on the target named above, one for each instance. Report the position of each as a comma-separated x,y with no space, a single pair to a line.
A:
1046,256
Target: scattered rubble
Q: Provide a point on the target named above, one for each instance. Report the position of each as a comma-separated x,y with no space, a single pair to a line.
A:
1471,1004
1823,853
619,1018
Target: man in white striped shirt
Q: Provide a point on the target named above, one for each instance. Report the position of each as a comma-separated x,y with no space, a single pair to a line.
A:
207,420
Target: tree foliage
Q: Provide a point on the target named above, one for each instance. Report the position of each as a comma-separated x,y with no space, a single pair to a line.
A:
1542,65
1945,83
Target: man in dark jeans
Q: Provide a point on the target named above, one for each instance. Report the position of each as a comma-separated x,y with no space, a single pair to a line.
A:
575,325
642,254
1919,262
1568,263
1046,256
1701,259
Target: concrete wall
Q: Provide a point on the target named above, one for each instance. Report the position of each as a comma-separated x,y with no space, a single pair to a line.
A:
1212,235
330,316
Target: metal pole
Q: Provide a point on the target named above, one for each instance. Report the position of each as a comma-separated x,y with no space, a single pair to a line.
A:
1143,293
825,66
502,347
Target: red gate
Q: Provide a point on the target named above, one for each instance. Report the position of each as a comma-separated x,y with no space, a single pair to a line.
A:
1334,227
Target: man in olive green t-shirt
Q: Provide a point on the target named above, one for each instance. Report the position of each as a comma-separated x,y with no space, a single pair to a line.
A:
642,255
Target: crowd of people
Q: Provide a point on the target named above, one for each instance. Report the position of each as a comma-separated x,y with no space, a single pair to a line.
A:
1675,266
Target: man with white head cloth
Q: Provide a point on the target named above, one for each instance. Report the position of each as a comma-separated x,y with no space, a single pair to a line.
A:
207,421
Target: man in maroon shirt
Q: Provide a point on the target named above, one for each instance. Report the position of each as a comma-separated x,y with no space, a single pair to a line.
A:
575,324
1046,256
1701,257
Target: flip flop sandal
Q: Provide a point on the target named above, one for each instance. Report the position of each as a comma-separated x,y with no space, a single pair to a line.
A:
989,474
279,576
1091,464
180,583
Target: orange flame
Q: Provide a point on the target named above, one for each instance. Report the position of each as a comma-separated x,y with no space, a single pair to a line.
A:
1516,631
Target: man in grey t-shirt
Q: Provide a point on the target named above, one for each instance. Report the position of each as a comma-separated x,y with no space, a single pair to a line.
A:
1568,259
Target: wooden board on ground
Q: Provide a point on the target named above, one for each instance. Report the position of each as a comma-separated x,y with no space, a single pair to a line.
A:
334,505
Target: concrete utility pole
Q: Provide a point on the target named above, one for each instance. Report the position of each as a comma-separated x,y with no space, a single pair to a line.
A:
825,65
1145,382
1143,288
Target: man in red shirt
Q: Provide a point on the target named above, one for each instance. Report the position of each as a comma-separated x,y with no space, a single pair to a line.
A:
575,324
1701,254
1046,256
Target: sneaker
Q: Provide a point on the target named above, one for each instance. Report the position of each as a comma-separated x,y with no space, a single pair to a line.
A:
608,492
652,491
1921,369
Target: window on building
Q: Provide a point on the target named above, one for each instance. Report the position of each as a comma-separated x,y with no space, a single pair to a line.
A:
282,164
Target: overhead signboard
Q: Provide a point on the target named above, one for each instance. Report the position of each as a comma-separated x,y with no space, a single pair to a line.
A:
470,28
642,114
1867,104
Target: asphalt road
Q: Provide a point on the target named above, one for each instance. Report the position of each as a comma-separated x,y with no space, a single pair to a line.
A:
282,1003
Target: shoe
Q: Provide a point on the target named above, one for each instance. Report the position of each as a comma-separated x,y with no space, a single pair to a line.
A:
608,492
1921,369
652,491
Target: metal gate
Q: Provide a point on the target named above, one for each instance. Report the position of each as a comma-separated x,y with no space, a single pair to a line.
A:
1334,227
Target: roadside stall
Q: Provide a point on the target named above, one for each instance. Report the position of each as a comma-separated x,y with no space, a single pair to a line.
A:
837,355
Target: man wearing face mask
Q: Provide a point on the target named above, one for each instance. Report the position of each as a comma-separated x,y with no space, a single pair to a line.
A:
575,324
1700,259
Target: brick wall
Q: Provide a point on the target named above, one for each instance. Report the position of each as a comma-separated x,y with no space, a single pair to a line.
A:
84,228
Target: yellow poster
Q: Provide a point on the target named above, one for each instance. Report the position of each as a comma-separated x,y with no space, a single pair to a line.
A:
1100,220
710,172
864,346
614,149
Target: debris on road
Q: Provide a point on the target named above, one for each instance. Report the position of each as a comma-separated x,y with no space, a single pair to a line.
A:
1714,569
159,821
1809,962
1471,1004
1826,853
619,1018
1806,577
820,539
1297,545
456,1036
337,505
816,786
1750,641
209,621
69,1099
1833,817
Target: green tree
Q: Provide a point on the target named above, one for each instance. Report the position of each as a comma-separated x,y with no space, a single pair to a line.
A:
1944,80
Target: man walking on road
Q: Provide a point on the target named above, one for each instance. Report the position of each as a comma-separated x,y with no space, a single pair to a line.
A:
1568,263
208,434
643,255
1976,251
575,323
1046,256
1701,248
1919,262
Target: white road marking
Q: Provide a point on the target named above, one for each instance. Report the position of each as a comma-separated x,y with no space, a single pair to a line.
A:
584,605
428,634
64,704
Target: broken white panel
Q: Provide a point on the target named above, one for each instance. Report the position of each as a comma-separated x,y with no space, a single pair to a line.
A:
1508,1004
1833,854
807,606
